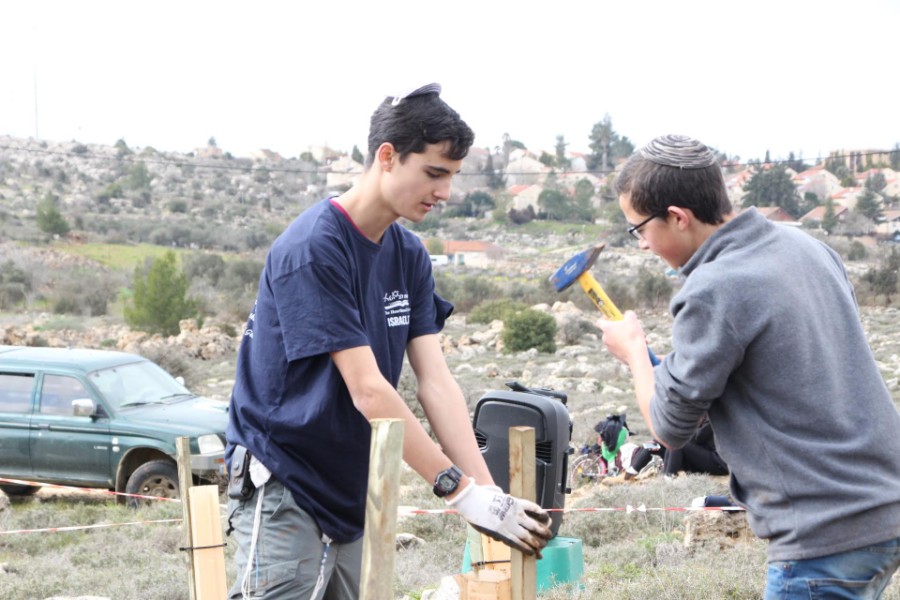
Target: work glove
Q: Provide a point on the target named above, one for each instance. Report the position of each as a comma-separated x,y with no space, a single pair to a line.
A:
518,523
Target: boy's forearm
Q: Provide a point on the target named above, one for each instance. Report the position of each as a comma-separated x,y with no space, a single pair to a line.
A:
448,415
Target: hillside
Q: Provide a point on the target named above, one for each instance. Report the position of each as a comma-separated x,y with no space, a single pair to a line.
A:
207,199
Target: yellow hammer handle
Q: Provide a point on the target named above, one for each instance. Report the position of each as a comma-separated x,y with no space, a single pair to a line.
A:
599,297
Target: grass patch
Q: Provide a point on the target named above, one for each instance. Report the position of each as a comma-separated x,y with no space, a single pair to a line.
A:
118,257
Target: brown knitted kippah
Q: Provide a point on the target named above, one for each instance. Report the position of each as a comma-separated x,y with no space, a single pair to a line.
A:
678,151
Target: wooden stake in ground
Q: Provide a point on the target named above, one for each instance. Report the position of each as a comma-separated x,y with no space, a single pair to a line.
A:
522,484
208,549
382,501
183,455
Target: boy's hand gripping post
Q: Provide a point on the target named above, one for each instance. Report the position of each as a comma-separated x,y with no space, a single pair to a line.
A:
578,268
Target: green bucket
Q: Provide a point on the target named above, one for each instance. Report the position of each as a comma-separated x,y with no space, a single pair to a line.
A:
562,562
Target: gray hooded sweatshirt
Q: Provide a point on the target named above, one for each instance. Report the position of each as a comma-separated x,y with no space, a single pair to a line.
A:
767,340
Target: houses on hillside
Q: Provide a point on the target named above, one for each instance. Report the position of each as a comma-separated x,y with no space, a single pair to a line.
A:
818,181
817,215
776,213
465,253
526,177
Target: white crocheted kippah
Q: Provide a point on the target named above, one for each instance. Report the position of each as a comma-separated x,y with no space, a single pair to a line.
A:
678,151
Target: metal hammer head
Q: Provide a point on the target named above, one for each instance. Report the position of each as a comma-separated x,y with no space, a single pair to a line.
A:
575,266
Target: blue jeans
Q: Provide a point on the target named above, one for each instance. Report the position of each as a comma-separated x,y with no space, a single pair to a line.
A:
861,574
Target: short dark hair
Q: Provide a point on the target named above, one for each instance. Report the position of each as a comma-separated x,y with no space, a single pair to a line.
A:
416,121
654,187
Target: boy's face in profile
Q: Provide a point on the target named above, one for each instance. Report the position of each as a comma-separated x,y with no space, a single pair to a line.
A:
414,186
660,235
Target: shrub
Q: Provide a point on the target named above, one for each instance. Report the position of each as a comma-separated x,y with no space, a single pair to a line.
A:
574,329
520,217
857,251
199,265
621,292
49,218
38,342
465,292
65,305
178,206
15,284
529,329
11,294
495,310
530,293
160,298
653,289
241,274
83,292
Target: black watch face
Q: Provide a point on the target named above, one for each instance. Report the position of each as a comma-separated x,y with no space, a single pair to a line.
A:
447,483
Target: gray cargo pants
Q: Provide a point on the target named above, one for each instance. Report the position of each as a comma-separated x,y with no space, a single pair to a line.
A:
289,552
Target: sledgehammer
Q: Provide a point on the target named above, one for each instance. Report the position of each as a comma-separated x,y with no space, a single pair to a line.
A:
578,268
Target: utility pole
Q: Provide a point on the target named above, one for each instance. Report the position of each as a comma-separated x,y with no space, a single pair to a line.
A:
34,77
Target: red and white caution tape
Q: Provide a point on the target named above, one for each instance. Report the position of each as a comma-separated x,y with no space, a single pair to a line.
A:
628,509
81,527
403,511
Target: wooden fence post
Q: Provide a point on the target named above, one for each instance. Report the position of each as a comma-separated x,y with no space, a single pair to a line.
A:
183,453
522,484
208,551
382,502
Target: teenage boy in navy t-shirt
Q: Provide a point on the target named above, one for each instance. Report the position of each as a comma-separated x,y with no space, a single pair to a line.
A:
345,293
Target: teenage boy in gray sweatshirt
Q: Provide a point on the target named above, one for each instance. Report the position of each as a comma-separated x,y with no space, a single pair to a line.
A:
767,340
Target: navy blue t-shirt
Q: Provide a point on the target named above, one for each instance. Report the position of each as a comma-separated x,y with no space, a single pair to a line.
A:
326,287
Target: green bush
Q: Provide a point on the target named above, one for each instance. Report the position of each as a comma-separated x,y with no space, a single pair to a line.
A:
621,291
241,274
160,298
857,251
201,265
529,329
465,292
49,218
533,292
178,206
15,284
495,310
11,294
85,292
574,329
66,305
653,289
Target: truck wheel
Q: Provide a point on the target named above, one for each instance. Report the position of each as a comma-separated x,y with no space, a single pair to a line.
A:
18,490
158,478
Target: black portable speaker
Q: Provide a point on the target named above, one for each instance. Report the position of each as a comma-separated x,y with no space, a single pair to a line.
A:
545,411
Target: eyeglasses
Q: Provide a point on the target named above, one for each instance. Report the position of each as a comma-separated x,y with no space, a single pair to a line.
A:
633,230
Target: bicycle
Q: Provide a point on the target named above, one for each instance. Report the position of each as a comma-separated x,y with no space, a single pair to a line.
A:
590,466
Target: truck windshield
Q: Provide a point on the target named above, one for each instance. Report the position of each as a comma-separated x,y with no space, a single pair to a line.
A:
137,383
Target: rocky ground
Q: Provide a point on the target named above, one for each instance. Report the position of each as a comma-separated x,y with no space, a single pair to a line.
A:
593,380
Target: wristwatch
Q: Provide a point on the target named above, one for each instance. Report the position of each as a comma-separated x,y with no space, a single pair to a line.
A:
447,481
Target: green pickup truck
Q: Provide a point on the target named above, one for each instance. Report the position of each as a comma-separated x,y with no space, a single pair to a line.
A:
101,419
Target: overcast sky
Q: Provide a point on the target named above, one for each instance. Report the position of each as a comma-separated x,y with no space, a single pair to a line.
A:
745,77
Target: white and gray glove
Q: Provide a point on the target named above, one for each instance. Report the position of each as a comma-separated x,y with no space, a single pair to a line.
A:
518,523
